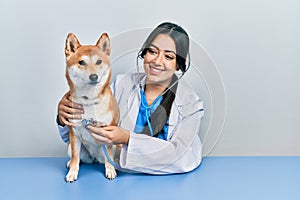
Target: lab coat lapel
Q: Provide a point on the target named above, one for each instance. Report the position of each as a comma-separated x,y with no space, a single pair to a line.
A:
133,103
175,114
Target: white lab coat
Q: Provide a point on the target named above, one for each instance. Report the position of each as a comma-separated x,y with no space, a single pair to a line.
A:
182,152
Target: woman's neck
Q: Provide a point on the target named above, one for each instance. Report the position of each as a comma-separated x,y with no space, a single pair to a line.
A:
152,91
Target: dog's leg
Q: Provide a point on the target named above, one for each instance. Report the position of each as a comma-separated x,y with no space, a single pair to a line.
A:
73,164
110,171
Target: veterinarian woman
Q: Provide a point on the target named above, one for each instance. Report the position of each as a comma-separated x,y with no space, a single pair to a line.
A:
160,114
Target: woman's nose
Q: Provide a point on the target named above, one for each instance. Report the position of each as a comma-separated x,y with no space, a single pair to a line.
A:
158,60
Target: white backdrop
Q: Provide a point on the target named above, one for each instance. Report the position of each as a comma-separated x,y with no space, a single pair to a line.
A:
254,46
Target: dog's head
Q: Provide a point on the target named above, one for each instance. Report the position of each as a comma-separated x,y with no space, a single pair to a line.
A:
88,66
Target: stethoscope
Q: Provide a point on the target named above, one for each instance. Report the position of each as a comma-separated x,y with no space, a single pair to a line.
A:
148,108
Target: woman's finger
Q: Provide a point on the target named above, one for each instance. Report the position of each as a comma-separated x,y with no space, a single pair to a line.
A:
70,116
101,132
100,139
108,128
71,110
71,103
68,110
67,102
96,130
67,122
69,113
66,106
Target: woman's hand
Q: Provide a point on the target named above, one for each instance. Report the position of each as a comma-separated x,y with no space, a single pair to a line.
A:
68,110
109,134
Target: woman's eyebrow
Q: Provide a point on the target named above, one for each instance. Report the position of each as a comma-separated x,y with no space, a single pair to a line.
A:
168,51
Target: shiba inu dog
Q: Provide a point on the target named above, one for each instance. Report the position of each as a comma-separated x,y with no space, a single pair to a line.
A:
88,74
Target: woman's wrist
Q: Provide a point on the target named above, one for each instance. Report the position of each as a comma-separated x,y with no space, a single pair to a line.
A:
126,137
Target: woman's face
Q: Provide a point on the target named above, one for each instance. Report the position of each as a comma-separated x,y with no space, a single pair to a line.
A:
160,60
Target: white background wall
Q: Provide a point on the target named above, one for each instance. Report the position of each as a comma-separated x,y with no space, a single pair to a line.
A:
254,44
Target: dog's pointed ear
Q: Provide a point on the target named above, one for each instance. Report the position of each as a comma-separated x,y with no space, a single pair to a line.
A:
104,44
72,44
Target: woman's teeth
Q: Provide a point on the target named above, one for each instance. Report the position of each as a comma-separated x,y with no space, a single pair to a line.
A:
155,70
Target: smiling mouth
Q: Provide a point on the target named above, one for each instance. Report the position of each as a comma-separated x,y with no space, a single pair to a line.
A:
155,70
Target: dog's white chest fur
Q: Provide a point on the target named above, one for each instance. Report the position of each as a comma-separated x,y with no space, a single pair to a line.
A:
96,110
99,112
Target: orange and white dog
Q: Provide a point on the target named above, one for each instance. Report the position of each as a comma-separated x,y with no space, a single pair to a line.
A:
88,74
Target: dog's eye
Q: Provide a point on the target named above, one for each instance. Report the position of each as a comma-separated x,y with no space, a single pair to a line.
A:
81,62
98,62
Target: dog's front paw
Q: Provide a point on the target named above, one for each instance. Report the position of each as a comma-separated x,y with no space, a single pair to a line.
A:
71,176
110,173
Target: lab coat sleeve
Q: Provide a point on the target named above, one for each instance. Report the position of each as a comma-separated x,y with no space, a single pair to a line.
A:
64,132
182,153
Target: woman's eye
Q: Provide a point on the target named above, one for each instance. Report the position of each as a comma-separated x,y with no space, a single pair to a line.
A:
169,57
98,62
81,62
151,51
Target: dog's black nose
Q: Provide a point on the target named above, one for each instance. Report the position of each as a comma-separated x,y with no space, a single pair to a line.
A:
94,77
